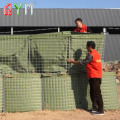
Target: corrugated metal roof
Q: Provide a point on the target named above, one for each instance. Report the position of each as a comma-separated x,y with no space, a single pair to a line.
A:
62,17
112,48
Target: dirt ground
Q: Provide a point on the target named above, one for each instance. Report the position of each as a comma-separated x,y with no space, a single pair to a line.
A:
61,115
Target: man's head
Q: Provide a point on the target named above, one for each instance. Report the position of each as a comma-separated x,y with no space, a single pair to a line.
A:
78,22
90,46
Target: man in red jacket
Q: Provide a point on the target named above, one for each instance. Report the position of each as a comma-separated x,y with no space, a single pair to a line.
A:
80,27
94,73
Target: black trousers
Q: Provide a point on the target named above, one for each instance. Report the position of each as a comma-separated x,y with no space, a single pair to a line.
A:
95,94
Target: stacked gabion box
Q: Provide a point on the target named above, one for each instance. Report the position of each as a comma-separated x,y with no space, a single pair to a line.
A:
35,74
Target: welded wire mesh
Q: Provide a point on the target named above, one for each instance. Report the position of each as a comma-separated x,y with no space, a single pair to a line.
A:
66,92
78,49
78,42
13,54
109,91
37,75
1,93
22,92
48,54
44,53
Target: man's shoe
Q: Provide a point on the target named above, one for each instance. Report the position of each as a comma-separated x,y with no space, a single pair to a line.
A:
98,113
92,110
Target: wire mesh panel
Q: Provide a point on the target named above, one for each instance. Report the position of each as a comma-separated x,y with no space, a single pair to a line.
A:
78,42
22,92
24,58
66,92
109,91
1,93
49,53
13,54
80,87
58,94
78,48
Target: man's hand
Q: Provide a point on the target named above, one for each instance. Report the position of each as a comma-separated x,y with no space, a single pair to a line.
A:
73,61
70,60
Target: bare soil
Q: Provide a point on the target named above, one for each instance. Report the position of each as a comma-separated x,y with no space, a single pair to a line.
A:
60,115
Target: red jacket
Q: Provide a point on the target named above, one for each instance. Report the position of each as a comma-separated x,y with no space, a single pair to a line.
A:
82,30
94,68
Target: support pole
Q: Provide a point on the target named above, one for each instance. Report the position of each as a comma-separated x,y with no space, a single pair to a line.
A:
58,29
104,30
11,30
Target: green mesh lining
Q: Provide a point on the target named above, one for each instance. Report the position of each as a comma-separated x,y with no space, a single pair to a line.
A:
44,52
109,91
78,48
22,92
70,92
63,92
47,53
13,54
1,93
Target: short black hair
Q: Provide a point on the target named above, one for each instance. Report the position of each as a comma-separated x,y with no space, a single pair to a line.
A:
91,43
78,19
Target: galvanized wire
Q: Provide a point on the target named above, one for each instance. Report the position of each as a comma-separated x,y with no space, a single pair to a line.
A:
24,59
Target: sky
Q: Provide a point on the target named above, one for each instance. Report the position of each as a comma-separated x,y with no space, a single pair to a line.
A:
65,3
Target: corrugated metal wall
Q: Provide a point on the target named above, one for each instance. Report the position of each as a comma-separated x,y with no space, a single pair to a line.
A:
62,17
112,47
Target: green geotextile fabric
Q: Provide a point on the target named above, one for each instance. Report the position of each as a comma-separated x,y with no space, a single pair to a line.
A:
78,42
78,48
44,53
1,93
109,91
49,53
66,92
71,92
22,92
27,92
13,54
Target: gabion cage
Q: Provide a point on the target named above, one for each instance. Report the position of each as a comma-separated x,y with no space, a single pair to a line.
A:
34,73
